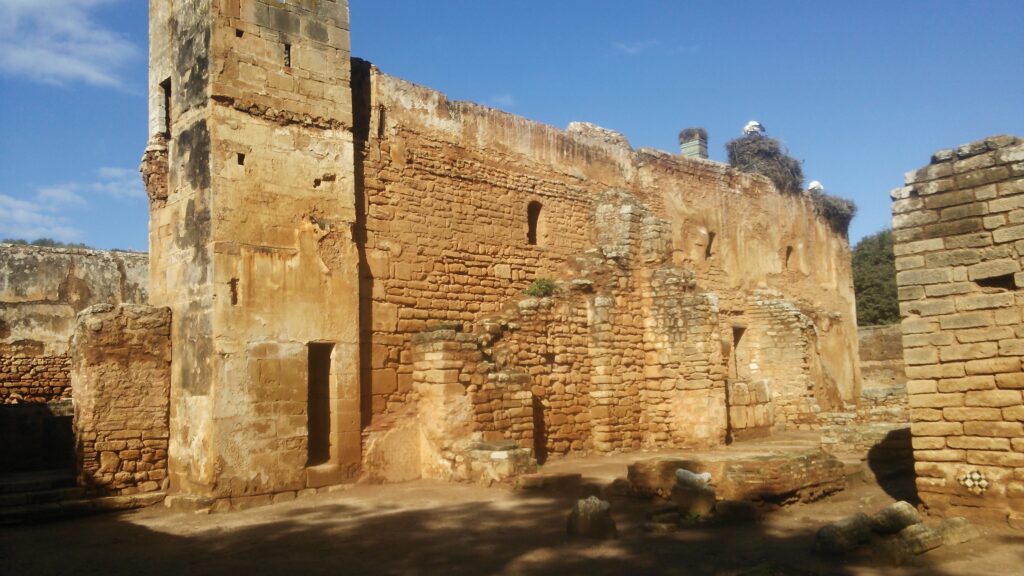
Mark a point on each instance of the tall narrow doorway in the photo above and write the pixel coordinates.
(319, 403)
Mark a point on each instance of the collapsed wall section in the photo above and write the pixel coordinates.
(958, 227)
(41, 290)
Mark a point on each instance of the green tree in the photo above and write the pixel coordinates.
(874, 280)
(43, 242)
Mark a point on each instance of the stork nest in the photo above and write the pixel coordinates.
(690, 134)
(765, 156)
(839, 212)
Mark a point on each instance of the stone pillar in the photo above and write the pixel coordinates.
(252, 244)
(693, 143)
(958, 229)
(121, 362)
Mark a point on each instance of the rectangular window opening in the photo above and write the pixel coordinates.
(319, 403)
(165, 88)
(233, 285)
(241, 159)
(239, 33)
(287, 55)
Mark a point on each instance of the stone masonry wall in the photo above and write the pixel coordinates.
(446, 190)
(959, 243)
(121, 379)
(41, 290)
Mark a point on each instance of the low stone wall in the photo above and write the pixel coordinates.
(41, 290)
(121, 377)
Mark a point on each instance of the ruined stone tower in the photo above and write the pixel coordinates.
(250, 174)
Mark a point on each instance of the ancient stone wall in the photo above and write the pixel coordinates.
(447, 194)
(307, 226)
(121, 381)
(41, 290)
(958, 227)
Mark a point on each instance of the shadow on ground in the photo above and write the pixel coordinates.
(508, 534)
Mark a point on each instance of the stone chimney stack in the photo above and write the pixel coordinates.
(693, 143)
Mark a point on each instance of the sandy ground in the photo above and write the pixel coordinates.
(432, 528)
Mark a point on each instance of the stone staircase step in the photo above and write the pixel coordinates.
(40, 497)
(36, 481)
(33, 513)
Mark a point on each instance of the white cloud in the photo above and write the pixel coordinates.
(29, 220)
(60, 195)
(59, 42)
(46, 213)
(119, 183)
(635, 48)
(502, 101)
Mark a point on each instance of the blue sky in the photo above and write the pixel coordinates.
(860, 91)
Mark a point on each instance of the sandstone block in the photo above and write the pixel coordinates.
(925, 276)
(976, 443)
(993, 366)
(894, 518)
(937, 400)
(968, 383)
(936, 428)
(993, 398)
(1004, 459)
(967, 414)
(992, 268)
(994, 429)
(968, 351)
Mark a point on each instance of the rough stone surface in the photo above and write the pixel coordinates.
(962, 308)
(895, 518)
(121, 377)
(591, 518)
(844, 535)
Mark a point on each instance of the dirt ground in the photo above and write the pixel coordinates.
(424, 528)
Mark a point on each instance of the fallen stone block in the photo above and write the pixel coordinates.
(592, 518)
(844, 535)
(894, 518)
(911, 541)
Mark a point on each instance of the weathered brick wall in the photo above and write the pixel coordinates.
(41, 290)
(959, 232)
(121, 380)
(34, 379)
(884, 394)
(445, 194)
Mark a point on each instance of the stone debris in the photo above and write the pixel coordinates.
(844, 535)
(692, 496)
(592, 518)
(895, 518)
(686, 478)
(894, 534)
